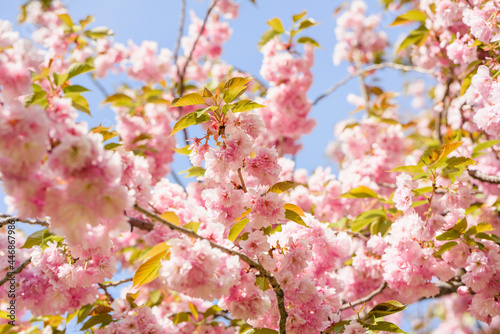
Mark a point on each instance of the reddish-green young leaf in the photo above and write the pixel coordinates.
(294, 208)
(171, 217)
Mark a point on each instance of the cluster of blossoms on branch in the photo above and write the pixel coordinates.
(253, 245)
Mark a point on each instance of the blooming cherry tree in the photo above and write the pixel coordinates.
(253, 245)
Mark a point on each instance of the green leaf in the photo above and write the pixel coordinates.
(385, 326)
(276, 24)
(386, 308)
(488, 236)
(308, 40)
(183, 150)
(262, 283)
(188, 100)
(237, 228)
(59, 79)
(79, 102)
(193, 310)
(483, 227)
(410, 16)
(98, 32)
(447, 149)
(83, 312)
(66, 19)
(193, 171)
(112, 146)
(211, 311)
(192, 118)
(35, 98)
(266, 37)
(408, 169)
(148, 271)
(75, 89)
(467, 81)
(194, 226)
(78, 68)
(297, 17)
(360, 192)
(307, 23)
(449, 235)
(417, 36)
(245, 105)
(366, 218)
(446, 247)
(119, 100)
(295, 217)
(461, 226)
(100, 319)
(36, 238)
(260, 331)
(233, 93)
(181, 317)
(280, 187)
(482, 146)
(459, 161)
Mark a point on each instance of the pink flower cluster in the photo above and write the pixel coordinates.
(287, 105)
(357, 39)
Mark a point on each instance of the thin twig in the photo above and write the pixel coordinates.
(9, 218)
(108, 295)
(242, 182)
(365, 299)
(439, 114)
(99, 86)
(176, 178)
(179, 36)
(495, 179)
(108, 284)
(15, 271)
(190, 56)
(252, 263)
(369, 69)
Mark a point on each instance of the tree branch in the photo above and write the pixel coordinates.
(252, 263)
(99, 86)
(108, 284)
(9, 218)
(190, 56)
(140, 224)
(16, 271)
(365, 299)
(242, 182)
(179, 36)
(369, 69)
(475, 174)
